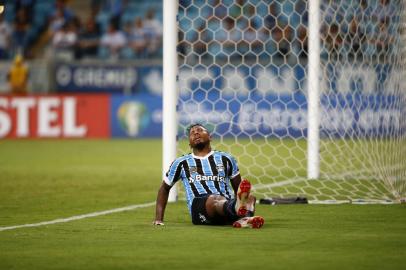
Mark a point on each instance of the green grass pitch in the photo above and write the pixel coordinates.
(50, 179)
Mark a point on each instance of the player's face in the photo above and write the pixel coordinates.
(199, 137)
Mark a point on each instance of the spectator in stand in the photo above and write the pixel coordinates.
(65, 40)
(20, 33)
(153, 32)
(112, 42)
(200, 45)
(354, 39)
(301, 43)
(383, 11)
(332, 11)
(115, 8)
(62, 7)
(231, 35)
(28, 6)
(127, 27)
(254, 37)
(5, 38)
(302, 9)
(60, 17)
(270, 19)
(383, 38)
(333, 39)
(283, 38)
(127, 52)
(363, 15)
(138, 42)
(89, 40)
(57, 22)
(18, 76)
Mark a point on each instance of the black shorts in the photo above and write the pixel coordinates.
(200, 216)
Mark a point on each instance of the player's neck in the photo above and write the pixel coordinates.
(202, 152)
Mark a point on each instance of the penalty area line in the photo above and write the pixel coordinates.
(73, 218)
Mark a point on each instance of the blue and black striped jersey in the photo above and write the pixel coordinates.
(206, 175)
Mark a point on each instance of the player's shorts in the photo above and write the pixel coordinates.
(200, 216)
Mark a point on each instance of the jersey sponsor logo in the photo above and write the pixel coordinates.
(220, 168)
(200, 177)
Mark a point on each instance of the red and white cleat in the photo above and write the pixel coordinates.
(255, 222)
(243, 193)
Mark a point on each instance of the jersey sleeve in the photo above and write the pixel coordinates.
(174, 172)
(234, 167)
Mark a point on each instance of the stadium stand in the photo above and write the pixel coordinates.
(282, 27)
(47, 31)
(33, 24)
(141, 23)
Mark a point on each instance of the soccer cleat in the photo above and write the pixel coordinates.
(255, 222)
(242, 198)
(250, 206)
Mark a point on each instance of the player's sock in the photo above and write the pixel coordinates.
(254, 222)
(251, 206)
(229, 209)
(243, 194)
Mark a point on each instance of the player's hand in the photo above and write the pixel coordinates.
(158, 223)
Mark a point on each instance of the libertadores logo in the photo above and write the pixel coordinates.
(133, 117)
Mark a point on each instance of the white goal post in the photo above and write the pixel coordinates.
(310, 96)
(313, 88)
(170, 89)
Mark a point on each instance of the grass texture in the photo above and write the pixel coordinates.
(50, 179)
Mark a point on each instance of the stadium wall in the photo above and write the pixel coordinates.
(140, 115)
(96, 100)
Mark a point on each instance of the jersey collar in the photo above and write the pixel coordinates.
(208, 154)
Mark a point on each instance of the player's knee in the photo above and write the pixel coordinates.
(214, 204)
(218, 200)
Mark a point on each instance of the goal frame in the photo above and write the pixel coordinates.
(171, 92)
(170, 88)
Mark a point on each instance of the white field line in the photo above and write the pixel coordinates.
(94, 214)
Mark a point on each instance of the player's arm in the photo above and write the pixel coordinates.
(235, 182)
(234, 173)
(161, 201)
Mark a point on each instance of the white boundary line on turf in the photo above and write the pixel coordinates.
(95, 214)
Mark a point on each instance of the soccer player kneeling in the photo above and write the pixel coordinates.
(215, 193)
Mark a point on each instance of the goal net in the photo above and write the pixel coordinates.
(243, 72)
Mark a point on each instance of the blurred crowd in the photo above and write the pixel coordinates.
(277, 31)
(209, 30)
(113, 29)
(361, 29)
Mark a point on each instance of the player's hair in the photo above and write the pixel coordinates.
(189, 128)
